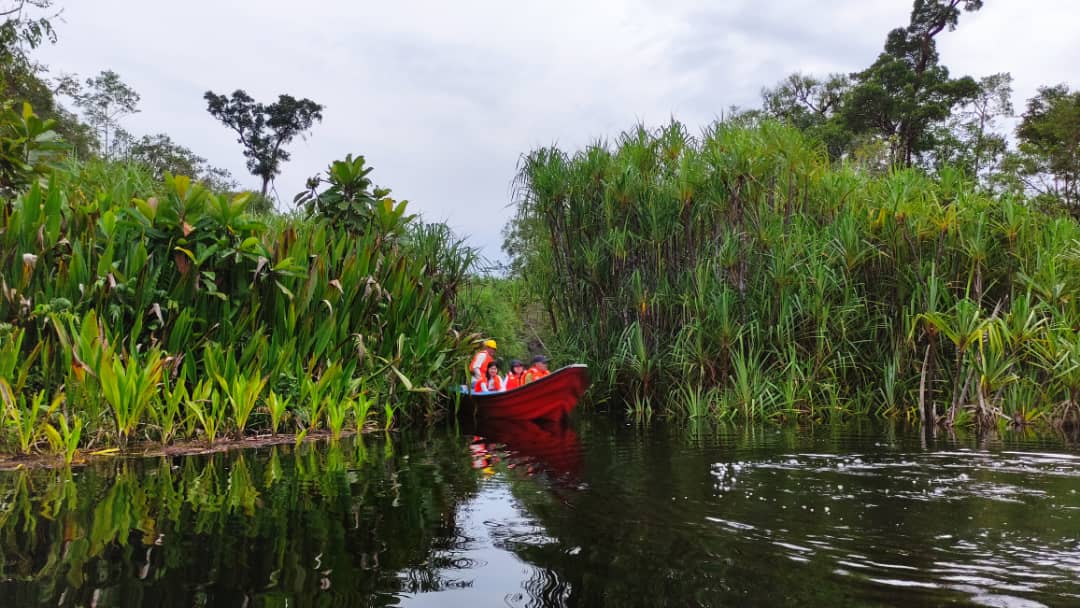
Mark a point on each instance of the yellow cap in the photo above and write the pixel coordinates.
(490, 344)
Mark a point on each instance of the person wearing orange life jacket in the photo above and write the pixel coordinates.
(538, 370)
(478, 365)
(516, 376)
(491, 383)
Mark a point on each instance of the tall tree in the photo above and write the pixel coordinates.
(1048, 160)
(264, 130)
(907, 91)
(971, 140)
(810, 104)
(104, 101)
(804, 100)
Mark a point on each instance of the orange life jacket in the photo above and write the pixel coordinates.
(478, 365)
(514, 380)
(492, 385)
(535, 373)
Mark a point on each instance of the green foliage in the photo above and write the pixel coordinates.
(970, 141)
(161, 155)
(350, 200)
(276, 406)
(902, 109)
(104, 101)
(243, 393)
(128, 385)
(907, 91)
(28, 148)
(165, 310)
(811, 105)
(24, 415)
(743, 274)
(500, 307)
(1048, 161)
(65, 439)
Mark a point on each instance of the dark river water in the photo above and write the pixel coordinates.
(602, 513)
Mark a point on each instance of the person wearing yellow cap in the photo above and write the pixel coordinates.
(479, 363)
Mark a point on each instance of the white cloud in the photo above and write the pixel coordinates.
(442, 98)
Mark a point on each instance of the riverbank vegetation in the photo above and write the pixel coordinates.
(744, 275)
(142, 298)
(861, 244)
(133, 309)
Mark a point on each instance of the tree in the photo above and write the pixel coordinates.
(970, 139)
(23, 30)
(264, 130)
(26, 26)
(810, 104)
(162, 155)
(803, 100)
(105, 100)
(1048, 160)
(907, 91)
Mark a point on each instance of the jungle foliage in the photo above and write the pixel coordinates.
(135, 309)
(746, 275)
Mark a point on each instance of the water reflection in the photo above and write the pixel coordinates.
(601, 513)
(538, 446)
(258, 528)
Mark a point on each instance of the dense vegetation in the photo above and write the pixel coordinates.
(133, 308)
(864, 242)
(142, 298)
(907, 110)
(745, 275)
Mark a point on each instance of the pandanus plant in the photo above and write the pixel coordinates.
(650, 254)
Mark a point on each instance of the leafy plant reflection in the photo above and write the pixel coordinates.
(295, 526)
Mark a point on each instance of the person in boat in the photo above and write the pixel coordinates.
(491, 383)
(478, 365)
(516, 376)
(538, 370)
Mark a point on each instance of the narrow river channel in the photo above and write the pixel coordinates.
(602, 513)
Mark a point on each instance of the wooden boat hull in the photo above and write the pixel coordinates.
(549, 398)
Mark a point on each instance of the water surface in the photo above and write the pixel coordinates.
(602, 513)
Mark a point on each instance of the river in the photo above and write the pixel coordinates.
(602, 513)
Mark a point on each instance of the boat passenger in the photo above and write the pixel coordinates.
(538, 370)
(492, 383)
(516, 377)
(480, 360)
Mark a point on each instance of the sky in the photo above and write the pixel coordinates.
(443, 98)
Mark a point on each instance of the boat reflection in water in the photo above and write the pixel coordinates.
(531, 424)
(537, 445)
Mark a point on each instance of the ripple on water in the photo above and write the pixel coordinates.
(916, 521)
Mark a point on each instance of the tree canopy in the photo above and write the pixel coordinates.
(907, 90)
(1049, 133)
(264, 129)
(105, 100)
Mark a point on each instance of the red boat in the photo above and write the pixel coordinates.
(549, 398)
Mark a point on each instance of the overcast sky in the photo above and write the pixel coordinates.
(442, 98)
